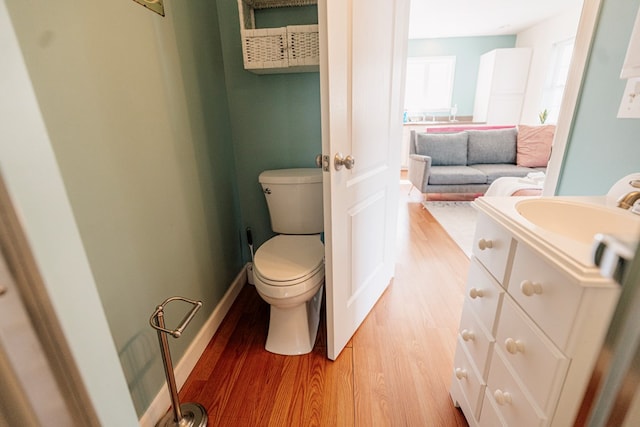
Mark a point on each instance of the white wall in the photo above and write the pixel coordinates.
(542, 38)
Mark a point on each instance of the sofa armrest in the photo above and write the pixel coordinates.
(419, 171)
(412, 142)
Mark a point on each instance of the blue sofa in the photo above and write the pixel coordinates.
(463, 162)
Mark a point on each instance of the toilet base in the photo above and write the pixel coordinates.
(293, 330)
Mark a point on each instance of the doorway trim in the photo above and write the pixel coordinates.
(44, 324)
(573, 90)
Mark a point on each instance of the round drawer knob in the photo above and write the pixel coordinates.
(461, 373)
(476, 293)
(514, 346)
(485, 244)
(502, 397)
(530, 288)
(467, 335)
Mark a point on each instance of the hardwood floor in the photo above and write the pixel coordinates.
(395, 370)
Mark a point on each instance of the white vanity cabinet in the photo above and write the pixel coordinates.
(531, 327)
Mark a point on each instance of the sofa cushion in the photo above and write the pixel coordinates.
(534, 145)
(498, 170)
(492, 146)
(444, 149)
(456, 175)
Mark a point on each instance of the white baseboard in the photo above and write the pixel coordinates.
(162, 401)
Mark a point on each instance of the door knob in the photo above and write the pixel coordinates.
(460, 373)
(530, 288)
(514, 346)
(485, 244)
(467, 335)
(340, 161)
(476, 293)
(502, 397)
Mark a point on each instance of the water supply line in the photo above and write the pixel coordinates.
(250, 266)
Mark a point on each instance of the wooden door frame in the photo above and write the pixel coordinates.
(573, 89)
(44, 321)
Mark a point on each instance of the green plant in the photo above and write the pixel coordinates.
(543, 116)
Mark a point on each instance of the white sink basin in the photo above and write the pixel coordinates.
(576, 220)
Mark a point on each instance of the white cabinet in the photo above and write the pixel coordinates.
(501, 85)
(530, 330)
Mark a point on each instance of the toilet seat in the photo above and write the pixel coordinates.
(277, 283)
(289, 265)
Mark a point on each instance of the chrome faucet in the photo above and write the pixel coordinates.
(627, 200)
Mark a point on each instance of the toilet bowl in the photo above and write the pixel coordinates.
(288, 275)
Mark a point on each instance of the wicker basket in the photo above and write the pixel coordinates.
(286, 49)
(264, 4)
(303, 47)
(265, 48)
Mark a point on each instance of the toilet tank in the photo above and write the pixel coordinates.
(294, 199)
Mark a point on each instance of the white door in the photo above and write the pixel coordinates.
(363, 55)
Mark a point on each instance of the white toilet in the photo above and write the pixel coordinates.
(289, 268)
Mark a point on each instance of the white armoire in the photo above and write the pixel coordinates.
(502, 81)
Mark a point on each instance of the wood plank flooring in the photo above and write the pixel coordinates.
(395, 370)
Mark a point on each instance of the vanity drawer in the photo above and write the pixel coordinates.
(491, 246)
(468, 379)
(507, 396)
(533, 357)
(477, 341)
(484, 294)
(549, 297)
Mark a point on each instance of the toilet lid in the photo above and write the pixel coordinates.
(286, 258)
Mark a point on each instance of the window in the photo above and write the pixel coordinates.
(429, 83)
(557, 78)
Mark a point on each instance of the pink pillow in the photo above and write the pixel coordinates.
(534, 145)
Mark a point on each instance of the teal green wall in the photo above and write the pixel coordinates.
(275, 119)
(160, 135)
(602, 148)
(136, 109)
(467, 51)
(281, 17)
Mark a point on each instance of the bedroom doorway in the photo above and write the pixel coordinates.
(578, 21)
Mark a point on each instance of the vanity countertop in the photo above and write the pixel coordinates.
(574, 255)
